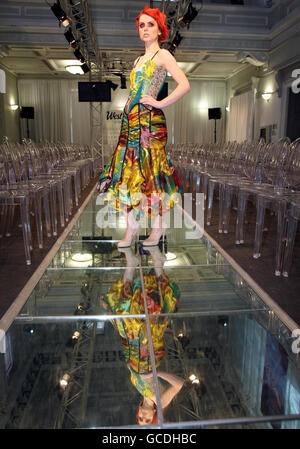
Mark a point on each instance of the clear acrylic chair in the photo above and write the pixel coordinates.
(14, 181)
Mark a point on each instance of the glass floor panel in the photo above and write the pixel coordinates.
(80, 374)
(105, 329)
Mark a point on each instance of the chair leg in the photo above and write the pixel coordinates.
(53, 210)
(241, 210)
(260, 218)
(38, 219)
(288, 254)
(24, 212)
(47, 214)
(281, 228)
(227, 208)
(211, 188)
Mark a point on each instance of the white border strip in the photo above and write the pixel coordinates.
(22, 297)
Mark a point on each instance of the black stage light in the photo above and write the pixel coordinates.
(70, 38)
(112, 85)
(123, 82)
(186, 19)
(79, 56)
(85, 68)
(60, 14)
(177, 39)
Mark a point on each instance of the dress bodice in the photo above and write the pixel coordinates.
(148, 79)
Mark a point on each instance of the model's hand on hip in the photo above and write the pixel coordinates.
(148, 100)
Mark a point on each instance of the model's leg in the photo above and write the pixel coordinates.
(158, 229)
(132, 230)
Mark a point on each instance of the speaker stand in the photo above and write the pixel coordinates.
(215, 131)
(27, 129)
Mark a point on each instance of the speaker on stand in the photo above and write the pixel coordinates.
(28, 113)
(215, 114)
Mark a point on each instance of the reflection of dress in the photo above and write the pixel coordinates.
(162, 296)
(139, 164)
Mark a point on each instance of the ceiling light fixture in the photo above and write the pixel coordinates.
(74, 69)
(266, 95)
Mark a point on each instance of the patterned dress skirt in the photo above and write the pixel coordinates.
(139, 174)
(124, 298)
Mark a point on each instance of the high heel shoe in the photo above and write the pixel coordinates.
(158, 231)
(132, 230)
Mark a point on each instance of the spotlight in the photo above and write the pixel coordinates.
(112, 85)
(64, 381)
(76, 335)
(79, 56)
(85, 68)
(60, 14)
(70, 38)
(194, 379)
(223, 321)
(123, 82)
(183, 339)
(29, 329)
(186, 19)
(177, 39)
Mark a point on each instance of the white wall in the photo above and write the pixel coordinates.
(9, 120)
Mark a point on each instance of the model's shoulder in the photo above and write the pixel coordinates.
(165, 53)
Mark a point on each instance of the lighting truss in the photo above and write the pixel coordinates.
(82, 29)
(73, 404)
(74, 399)
(179, 15)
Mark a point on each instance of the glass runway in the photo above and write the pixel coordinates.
(83, 350)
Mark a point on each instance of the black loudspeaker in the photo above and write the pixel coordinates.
(27, 112)
(163, 93)
(214, 113)
(97, 91)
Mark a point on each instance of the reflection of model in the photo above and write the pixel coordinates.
(139, 178)
(126, 297)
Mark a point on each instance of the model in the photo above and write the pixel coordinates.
(139, 179)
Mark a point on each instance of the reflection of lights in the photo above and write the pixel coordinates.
(80, 257)
(170, 256)
(194, 379)
(76, 335)
(64, 381)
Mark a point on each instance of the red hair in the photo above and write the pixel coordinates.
(155, 416)
(160, 18)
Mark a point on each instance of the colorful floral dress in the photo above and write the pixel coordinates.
(162, 297)
(139, 174)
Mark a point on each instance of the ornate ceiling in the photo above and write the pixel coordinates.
(222, 40)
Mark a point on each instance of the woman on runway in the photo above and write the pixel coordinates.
(139, 178)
